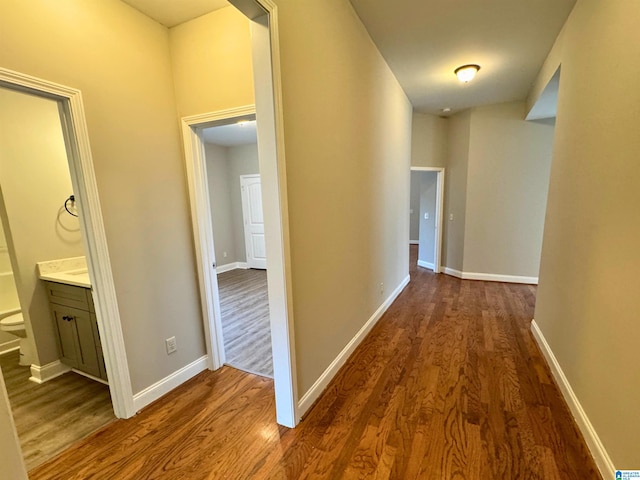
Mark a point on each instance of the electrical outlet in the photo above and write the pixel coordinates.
(224, 254)
(381, 288)
(451, 217)
(171, 345)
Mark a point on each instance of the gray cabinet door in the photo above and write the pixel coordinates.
(96, 337)
(67, 334)
(87, 354)
(76, 339)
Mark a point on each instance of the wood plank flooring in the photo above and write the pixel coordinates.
(245, 320)
(54, 415)
(448, 385)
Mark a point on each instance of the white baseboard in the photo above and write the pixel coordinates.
(452, 272)
(422, 263)
(321, 383)
(9, 346)
(231, 266)
(600, 455)
(490, 277)
(414, 242)
(44, 373)
(164, 386)
(89, 376)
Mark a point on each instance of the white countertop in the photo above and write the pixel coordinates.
(70, 271)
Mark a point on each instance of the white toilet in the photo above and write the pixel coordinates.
(14, 324)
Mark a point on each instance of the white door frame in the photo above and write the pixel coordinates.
(85, 189)
(437, 249)
(246, 217)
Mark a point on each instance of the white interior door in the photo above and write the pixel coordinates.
(253, 221)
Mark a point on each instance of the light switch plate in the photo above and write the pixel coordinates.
(171, 345)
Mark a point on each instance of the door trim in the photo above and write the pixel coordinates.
(85, 189)
(437, 253)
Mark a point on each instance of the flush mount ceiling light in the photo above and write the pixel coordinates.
(466, 73)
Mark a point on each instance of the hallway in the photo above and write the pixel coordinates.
(449, 384)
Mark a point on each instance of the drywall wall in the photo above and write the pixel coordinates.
(414, 207)
(211, 62)
(8, 294)
(35, 182)
(347, 198)
(12, 463)
(5, 261)
(242, 160)
(120, 61)
(507, 185)
(587, 302)
(220, 204)
(429, 143)
(455, 190)
(428, 190)
(548, 70)
(224, 167)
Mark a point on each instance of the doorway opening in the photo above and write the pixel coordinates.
(60, 336)
(269, 116)
(235, 201)
(425, 215)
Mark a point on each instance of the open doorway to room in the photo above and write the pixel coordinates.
(235, 199)
(270, 141)
(425, 216)
(55, 282)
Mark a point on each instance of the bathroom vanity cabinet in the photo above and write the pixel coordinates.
(76, 327)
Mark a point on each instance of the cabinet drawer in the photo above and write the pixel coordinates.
(70, 296)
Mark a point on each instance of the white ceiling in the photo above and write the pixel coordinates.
(231, 135)
(423, 41)
(174, 12)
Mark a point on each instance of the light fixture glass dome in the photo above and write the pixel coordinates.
(466, 73)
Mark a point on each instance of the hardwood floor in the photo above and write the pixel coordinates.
(448, 385)
(54, 415)
(245, 320)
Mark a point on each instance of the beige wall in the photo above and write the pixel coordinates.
(348, 197)
(429, 140)
(507, 185)
(35, 182)
(224, 167)
(243, 160)
(119, 59)
(455, 190)
(12, 464)
(588, 300)
(347, 136)
(5, 261)
(8, 294)
(496, 182)
(211, 60)
(220, 204)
